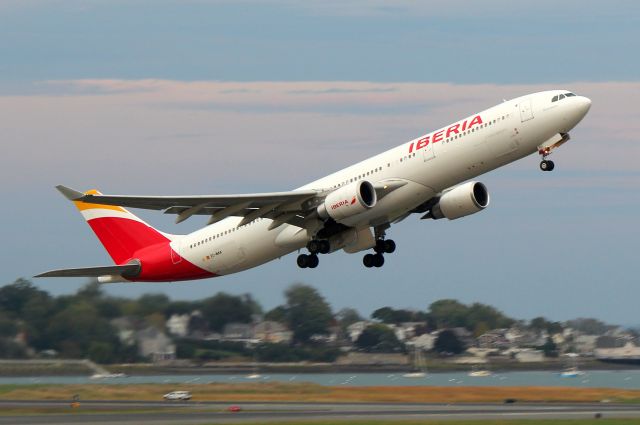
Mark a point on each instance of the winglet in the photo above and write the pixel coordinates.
(70, 194)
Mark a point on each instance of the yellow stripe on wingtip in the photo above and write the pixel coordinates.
(88, 206)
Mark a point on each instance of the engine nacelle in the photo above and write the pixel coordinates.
(347, 201)
(463, 200)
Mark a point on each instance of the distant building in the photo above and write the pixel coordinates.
(126, 328)
(240, 332)
(155, 345)
(464, 336)
(629, 353)
(355, 329)
(585, 344)
(178, 324)
(273, 332)
(495, 339)
(423, 342)
(610, 341)
(529, 356)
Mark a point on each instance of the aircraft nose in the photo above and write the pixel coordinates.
(584, 105)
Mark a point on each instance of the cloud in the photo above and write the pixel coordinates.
(212, 134)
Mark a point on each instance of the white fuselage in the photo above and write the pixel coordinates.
(503, 134)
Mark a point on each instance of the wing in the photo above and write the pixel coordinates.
(294, 207)
(282, 207)
(127, 270)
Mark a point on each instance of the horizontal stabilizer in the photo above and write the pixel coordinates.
(70, 194)
(127, 270)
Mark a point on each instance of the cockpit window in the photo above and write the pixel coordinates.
(562, 96)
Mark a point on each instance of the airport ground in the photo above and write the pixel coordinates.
(312, 404)
(309, 392)
(39, 412)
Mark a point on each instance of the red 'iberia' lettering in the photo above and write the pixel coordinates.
(440, 135)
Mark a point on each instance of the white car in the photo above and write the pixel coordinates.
(178, 395)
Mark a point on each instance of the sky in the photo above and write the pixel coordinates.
(164, 97)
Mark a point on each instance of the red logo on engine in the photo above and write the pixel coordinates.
(353, 201)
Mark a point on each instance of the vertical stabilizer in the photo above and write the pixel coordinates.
(120, 232)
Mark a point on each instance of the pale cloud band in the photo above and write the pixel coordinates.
(86, 125)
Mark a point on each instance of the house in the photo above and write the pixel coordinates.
(273, 332)
(240, 332)
(355, 329)
(529, 356)
(126, 328)
(155, 345)
(495, 339)
(407, 330)
(423, 342)
(464, 336)
(627, 353)
(178, 324)
(585, 344)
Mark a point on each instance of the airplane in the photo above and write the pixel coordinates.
(349, 210)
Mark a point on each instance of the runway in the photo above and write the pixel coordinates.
(107, 412)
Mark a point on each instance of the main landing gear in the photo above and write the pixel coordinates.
(315, 247)
(546, 164)
(383, 246)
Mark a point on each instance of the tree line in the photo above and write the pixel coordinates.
(82, 325)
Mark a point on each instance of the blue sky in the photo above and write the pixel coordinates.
(182, 97)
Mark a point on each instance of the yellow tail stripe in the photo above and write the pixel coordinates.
(88, 206)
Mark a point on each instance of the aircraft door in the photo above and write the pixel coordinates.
(526, 111)
(428, 152)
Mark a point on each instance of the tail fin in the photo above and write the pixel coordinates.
(120, 232)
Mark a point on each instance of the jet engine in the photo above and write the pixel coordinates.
(347, 201)
(463, 200)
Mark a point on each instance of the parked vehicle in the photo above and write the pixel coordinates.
(178, 395)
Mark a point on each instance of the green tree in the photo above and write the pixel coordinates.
(223, 308)
(13, 297)
(101, 352)
(278, 314)
(347, 317)
(151, 303)
(8, 327)
(449, 313)
(379, 338)
(72, 330)
(448, 342)
(307, 311)
(482, 313)
(550, 348)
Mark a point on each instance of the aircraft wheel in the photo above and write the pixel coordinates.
(325, 247)
(380, 246)
(550, 165)
(546, 165)
(389, 246)
(368, 260)
(378, 260)
(314, 246)
(313, 261)
(303, 261)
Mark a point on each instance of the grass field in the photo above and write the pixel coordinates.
(305, 392)
(471, 422)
